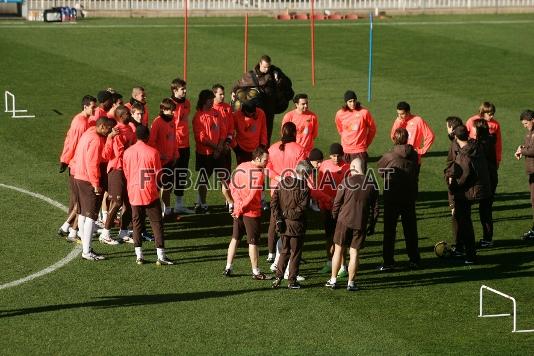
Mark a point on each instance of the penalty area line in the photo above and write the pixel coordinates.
(72, 255)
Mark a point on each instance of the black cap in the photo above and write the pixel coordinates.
(349, 94)
(315, 155)
(142, 133)
(336, 149)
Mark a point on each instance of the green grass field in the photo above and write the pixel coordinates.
(442, 65)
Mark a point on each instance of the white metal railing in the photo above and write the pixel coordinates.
(256, 5)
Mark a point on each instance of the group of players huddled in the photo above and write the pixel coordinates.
(118, 164)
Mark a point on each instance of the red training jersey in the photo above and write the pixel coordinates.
(249, 132)
(208, 127)
(88, 156)
(225, 110)
(78, 126)
(356, 128)
(307, 127)
(114, 148)
(181, 120)
(163, 138)
(246, 187)
(283, 163)
(420, 135)
(142, 166)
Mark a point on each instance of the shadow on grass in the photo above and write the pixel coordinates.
(129, 301)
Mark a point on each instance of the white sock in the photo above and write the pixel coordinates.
(105, 233)
(343, 268)
(230, 206)
(81, 223)
(139, 252)
(104, 216)
(65, 226)
(72, 232)
(271, 255)
(87, 234)
(350, 283)
(228, 266)
(256, 271)
(161, 253)
(333, 280)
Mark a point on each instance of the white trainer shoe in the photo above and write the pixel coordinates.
(91, 256)
(107, 240)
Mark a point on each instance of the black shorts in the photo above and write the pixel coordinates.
(89, 201)
(206, 162)
(117, 186)
(249, 226)
(345, 236)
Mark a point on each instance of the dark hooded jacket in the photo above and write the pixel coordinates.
(469, 173)
(400, 185)
(527, 150)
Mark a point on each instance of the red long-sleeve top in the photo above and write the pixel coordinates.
(283, 163)
(181, 120)
(246, 186)
(208, 127)
(78, 126)
(114, 148)
(420, 134)
(307, 127)
(88, 156)
(142, 166)
(163, 138)
(249, 132)
(356, 128)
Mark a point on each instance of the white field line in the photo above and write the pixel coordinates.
(282, 25)
(72, 255)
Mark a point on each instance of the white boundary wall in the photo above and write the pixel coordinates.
(289, 5)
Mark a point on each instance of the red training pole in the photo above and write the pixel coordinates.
(245, 61)
(312, 28)
(185, 39)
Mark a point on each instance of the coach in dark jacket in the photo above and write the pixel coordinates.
(468, 181)
(288, 204)
(351, 208)
(527, 150)
(399, 169)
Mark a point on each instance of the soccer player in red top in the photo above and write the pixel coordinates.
(225, 110)
(86, 162)
(420, 134)
(181, 120)
(163, 138)
(142, 166)
(305, 120)
(78, 126)
(139, 97)
(356, 128)
(246, 187)
(113, 152)
(283, 158)
(250, 131)
(210, 135)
